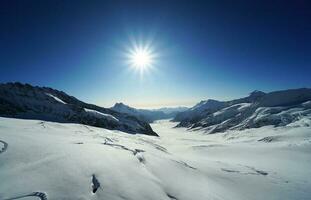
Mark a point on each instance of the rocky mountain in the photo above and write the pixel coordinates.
(148, 115)
(31, 102)
(259, 109)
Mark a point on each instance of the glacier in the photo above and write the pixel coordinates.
(51, 160)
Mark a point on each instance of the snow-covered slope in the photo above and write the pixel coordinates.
(147, 115)
(259, 109)
(98, 114)
(58, 161)
(29, 102)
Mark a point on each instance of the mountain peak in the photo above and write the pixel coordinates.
(123, 108)
(256, 93)
(120, 104)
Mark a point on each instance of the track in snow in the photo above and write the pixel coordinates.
(252, 172)
(40, 195)
(135, 152)
(171, 196)
(119, 146)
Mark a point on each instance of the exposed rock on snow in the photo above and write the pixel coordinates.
(95, 184)
(25, 101)
(259, 109)
(4, 146)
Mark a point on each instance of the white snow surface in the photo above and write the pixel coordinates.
(100, 114)
(59, 161)
(56, 98)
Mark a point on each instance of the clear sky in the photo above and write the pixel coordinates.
(205, 49)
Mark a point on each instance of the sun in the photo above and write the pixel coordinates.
(141, 58)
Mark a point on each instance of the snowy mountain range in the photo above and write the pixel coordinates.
(259, 109)
(148, 115)
(28, 102)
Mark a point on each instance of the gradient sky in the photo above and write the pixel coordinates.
(207, 49)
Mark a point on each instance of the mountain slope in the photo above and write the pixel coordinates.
(25, 101)
(259, 109)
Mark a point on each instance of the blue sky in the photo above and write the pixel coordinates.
(206, 49)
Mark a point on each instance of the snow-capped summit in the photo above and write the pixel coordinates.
(277, 108)
(121, 107)
(25, 101)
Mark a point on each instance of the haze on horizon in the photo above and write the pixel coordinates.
(220, 50)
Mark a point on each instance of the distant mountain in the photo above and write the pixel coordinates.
(148, 115)
(28, 102)
(171, 110)
(277, 108)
